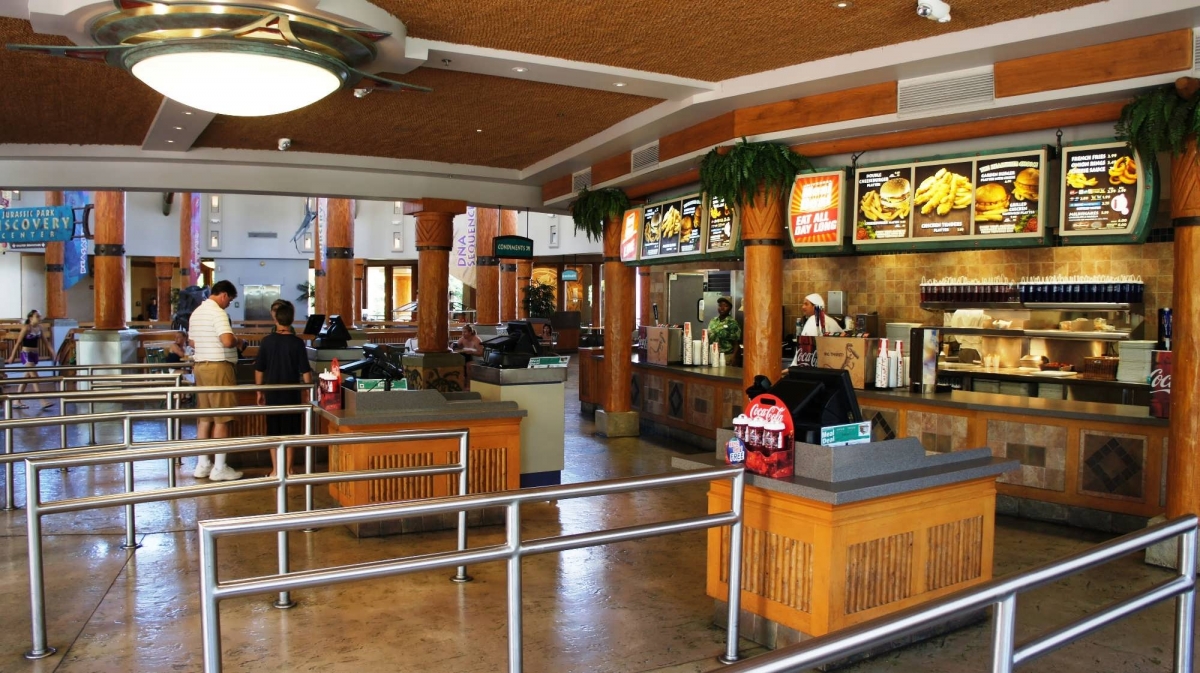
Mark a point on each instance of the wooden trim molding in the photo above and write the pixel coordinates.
(716, 130)
(611, 168)
(556, 188)
(826, 108)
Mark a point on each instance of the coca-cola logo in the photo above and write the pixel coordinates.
(1160, 382)
(768, 414)
(806, 360)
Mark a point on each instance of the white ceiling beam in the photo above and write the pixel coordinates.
(176, 127)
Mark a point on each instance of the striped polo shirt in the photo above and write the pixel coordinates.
(208, 323)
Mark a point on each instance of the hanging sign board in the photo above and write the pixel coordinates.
(815, 209)
(630, 225)
(512, 247)
(943, 199)
(672, 228)
(570, 275)
(884, 196)
(36, 225)
(1103, 190)
(1010, 194)
(722, 226)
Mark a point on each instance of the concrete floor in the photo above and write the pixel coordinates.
(637, 606)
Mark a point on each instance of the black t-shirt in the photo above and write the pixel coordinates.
(282, 358)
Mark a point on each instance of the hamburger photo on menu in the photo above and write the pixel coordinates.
(887, 207)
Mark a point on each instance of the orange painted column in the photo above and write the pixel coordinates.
(190, 217)
(508, 270)
(109, 254)
(646, 316)
(618, 320)
(524, 277)
(56, 295)
(360, 297)
(762, 238)
(339, 261)
(487, 267)
(164, 273)
(1183, 456)
(435, 236)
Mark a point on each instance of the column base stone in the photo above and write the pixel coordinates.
(617, 423)
(1164, 554)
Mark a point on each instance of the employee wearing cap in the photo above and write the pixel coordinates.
(724, 330)
(814, 304)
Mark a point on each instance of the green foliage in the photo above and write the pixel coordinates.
(591, 208)
(308, 291)
(1160, 120)
(539, 300)
(737, 175)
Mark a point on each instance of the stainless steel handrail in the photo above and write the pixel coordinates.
(37, 509)
(1002, 594)
(513, 550)
(90, 368)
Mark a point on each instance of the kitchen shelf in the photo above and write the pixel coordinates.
(1037, 333)
(1029, 306)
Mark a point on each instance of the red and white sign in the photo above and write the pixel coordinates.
(629, 235)
(772, 456)
(815, 209)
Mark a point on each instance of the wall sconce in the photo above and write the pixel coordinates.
(16, 195)
(553, 236)
(398, 241)
(214, 239)
(307, 242)
(399, 208)
(214, 203)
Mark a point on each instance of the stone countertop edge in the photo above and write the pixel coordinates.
(494, 410)
(1034, 406)
(700, 371)
(858, 490)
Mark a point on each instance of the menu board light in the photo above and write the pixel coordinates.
(1102, 190)
(629, 234)
(722, 226)
(884, 197)
(1009, 199)
(673, 227)
(815, 209)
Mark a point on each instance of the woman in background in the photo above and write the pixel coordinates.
(30, 338)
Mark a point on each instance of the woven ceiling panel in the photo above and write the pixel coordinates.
(521, 122)
(702, 39)
(49, 100)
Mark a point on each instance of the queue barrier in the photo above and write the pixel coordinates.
(92, 368)
(213, 590)
(1001, 595)
(36, 509)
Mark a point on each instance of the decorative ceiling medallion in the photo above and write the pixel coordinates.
(240, 60)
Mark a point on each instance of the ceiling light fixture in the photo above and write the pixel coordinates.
(479, 130)
(187, 112)
(843, 4)
(519, 69)
(239, 60)
(178, 128)
(618, 84)
(171, 141)
(934, 10)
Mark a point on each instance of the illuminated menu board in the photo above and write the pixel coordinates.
(815, 209)
(674, 227)
(629, 234)
(1101, 190)
(884, 196)
(722, 226)
(942, 200)
(1009, 194)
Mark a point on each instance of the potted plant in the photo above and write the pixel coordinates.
(539, 300)
(591, 209)
(1167, 119)
(750, 174)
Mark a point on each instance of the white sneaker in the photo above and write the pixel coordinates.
(224, 473)
(203, 468)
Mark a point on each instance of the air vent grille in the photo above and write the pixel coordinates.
(644, 157)
(720, 281)
(946, 91)
(581, 180)
(1196, 49)
(263, 234)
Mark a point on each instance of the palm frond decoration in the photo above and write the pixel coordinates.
(1162, 119)
(592, 208)
(736, 176)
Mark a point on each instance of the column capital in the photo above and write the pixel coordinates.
(435, 230)
(435, 206)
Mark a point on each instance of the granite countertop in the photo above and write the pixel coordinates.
(734, 373)
(1016, 374)
(451, 411)
(1013, 404)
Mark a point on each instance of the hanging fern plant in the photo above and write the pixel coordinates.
(591, 208)
(736, 175)
(1162, 119)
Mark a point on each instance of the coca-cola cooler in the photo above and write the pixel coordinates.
(1160, 384)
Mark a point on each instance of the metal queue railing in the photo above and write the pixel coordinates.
(169, 396)
(36, 509)
(89, 369)
(1001, 596)
(213, 590)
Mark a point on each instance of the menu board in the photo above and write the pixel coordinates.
(652, 217)
(884, 197)
(629, 234)
(1009, 194)
(942, 200)
(721, 229)
(815, 209)
(673, 227)
(690, 240)
(1101, 190)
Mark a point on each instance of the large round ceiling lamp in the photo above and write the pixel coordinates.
(237, 60)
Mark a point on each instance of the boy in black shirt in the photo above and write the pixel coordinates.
(282, 358)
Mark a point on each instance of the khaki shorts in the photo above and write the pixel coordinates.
(215, 374)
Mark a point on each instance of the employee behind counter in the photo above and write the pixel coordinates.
(724, 329)
(813, 309)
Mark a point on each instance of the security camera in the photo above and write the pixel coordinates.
(934, 10)
(284, 144)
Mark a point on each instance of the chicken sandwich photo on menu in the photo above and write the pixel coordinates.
(1027, 184)
(991, 201)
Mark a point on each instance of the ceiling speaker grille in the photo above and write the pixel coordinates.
(946, 91)
(263, 234)
(581, 180)
(644, 157)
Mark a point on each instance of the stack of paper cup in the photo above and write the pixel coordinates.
(687, 349)
(697, 349)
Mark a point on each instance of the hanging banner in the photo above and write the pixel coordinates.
(75, 251)
(36, 225)
(462, 258)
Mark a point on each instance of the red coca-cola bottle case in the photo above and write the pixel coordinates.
(769, 449)
(1160, 384)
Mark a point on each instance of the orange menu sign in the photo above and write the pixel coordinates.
(815, 208)
(629, 235)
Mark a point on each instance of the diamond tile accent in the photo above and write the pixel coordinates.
(883, 423)
(1111, 465)
(635, 392)
(675, 400)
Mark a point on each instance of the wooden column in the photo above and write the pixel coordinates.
(109, 252)
(1183, 457)
(339, 261)
(360, 287)
(164, 273)
(618, 320)
(487, 267)
(56, 296)
(435, 236)
(646, 317)
(596, 295)
(190, 217)
(508, 270)
(762, 236)
(524, 276)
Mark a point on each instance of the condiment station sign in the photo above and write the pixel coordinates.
(512, 247)
(36, 225)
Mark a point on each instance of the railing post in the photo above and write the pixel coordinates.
(512, 526)
(37, 581)
(9, 499)
(1004, 633)
(210, 614)
(737, 492)
(308, 458)
(1185, 605)
(281, 506)
(464, 462)
(62, 411)
(130, 515)
(171, 436)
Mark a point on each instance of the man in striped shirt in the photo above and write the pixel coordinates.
(216, 354)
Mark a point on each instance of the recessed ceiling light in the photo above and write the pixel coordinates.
(519, 69)
(178, 128)
(187, 112)
(479, 130)
(171, 141)
(843, 4)
(618, 84)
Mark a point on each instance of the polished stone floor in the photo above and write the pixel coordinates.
(637, 606)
